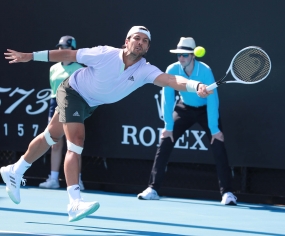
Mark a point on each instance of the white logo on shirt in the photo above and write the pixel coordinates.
(76, 113)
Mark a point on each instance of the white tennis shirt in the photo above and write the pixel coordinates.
(104, 80)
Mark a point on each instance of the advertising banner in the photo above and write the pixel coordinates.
(252, 115)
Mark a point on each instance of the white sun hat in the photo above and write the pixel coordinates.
(139, 29)
(185, 45)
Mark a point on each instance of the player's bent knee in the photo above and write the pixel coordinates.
(74, 148)
(48, 137)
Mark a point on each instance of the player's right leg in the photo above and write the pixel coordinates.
(77, 207)
(80, 180)
(72, 116)
(12, 175)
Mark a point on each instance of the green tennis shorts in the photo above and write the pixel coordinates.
(71, 107)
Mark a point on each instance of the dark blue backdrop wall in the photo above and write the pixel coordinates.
(252, 115)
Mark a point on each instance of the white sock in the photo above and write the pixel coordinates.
(21, 166)
(73, 192)
(79, 176)
(54, 175)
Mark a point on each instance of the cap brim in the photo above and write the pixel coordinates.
(58, 45)
(181, 51)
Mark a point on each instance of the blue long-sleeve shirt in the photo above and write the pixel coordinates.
(203, 73)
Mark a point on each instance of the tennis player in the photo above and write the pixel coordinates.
(111, 74)
(189, 110)
(59, 72)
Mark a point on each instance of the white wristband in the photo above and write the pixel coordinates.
(191, 85)
(41, 56)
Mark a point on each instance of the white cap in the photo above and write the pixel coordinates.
(139, 29)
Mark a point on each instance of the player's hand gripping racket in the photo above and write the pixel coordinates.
(249, 66)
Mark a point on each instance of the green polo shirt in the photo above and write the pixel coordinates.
(59, 72)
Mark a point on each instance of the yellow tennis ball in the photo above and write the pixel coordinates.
(199, 51)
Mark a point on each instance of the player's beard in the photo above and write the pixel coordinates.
(138, 55)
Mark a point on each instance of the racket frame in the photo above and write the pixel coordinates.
(237, 80)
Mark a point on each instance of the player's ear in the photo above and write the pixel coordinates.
(127, 41)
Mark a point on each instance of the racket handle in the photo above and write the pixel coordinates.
(212, 86)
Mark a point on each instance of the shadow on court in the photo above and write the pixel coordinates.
(240, 205)
(112, 231)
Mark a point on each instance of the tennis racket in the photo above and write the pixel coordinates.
(249, 66)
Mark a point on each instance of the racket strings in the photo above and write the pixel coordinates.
(251, 65)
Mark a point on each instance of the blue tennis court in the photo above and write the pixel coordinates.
(43, 212)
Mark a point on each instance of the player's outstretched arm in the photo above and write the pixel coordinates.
(16, 57)
(53, 56)
(180, 83)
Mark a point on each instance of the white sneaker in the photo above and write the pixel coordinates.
(81, 185)
(148, 194)
(79, 209)
(13, 182)
(50, 183)
(229, 199)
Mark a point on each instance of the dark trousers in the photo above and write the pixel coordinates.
(184, 118)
